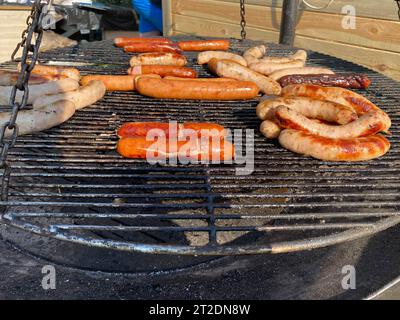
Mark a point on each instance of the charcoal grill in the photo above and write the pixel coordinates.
(69, 183)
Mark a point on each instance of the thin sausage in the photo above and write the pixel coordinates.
(83, 97)
(230, 69)
(310, 108)
(204, 45)
(112, 83)
(305, 70)
(125, 41)
(349, 81)
(195, 149)
(254, 54)
(197, 90)
(163, 71)
(268, 68)
(356, 149)
(368, 124)
(206, 56)
(68, 72)
(39, 119)
(142, 47)
(38, 90)
(159, 58)
(201, 79)
(178, 130)
(335, 94)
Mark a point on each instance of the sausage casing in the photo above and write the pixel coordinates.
(196, 90)
(204, 45)
(355, 149)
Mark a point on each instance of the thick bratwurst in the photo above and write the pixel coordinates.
(355, 149)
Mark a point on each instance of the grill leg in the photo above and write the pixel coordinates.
(288, 22)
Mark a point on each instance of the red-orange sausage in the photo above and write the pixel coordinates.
(197, 90)
(125, 41)
(355, 149)
(10, 78)
(201, 129)
(64, 71)
(204, 45)
(112, 83)
(164, 71)
(195, 149)
(142, 47)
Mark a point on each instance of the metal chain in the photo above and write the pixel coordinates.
(398, 4)
(242, 19)
(7, 138)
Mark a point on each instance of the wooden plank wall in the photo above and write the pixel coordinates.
(12, 23)
(375, 42)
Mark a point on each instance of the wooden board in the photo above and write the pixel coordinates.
(382, 9)
(12, 23)
(372, 33)
(379, 60)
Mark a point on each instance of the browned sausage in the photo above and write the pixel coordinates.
(159, 58)
(112, 83)
(164, 71)
(178, 130)
(349, 81)
(125, 41)
(339, 95)
(355, 149)
(68, 72)
(142, 47)
(310, 108)
(368, 124)
(231, 69)
(196, 149)
(197, 90)
(204, 45)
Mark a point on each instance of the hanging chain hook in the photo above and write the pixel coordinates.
(242, 19)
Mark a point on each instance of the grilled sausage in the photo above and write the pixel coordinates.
(68, 72)
(195, 89)
(349, 81)
(159, 58)
(368, 124)
(39, 119)
(112, 83)
(163, 71)
(142, 47)
(268, 68)
(231, 69)
(254, 54)
(195, 149)
(206, 56)
(299, 71)
(178, 130)
(125, 41)
(310, 108)
(270, 129)
(204, 45)
(35, 91)
(342, 96)
(83, 97)
(298, 55)
(10, 78)
(201, 79)
(356, 149)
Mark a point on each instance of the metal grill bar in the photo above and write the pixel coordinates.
(70, 184)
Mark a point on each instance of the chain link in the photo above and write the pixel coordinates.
(242, 19)
(20, 91)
